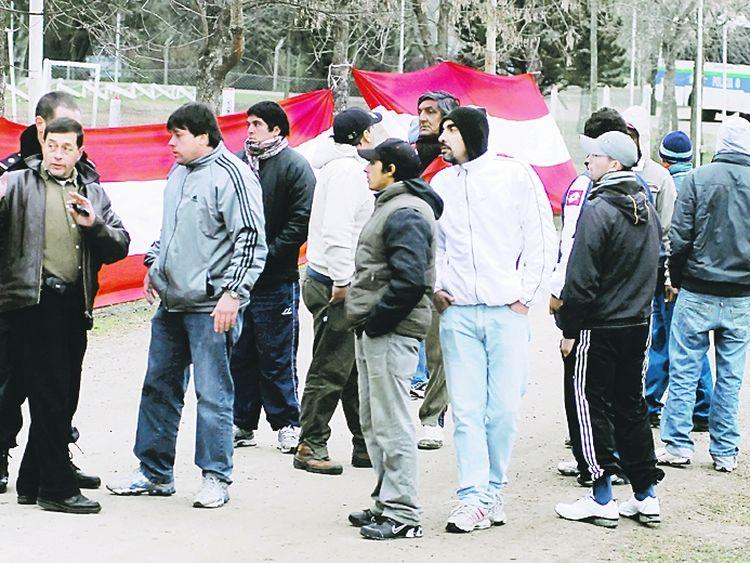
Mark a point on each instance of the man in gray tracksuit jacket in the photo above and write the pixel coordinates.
(211, 251)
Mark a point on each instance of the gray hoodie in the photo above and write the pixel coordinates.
(212, 236)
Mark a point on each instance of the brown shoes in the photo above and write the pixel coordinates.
(303, 459)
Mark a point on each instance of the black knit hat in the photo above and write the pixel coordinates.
(474, 128)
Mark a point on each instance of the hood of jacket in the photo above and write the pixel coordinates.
(328, 151)
(637, 118)
(733, 136)
(622, 191)
(413, 186)
(474, 128)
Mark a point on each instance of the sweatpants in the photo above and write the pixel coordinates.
(604, 380)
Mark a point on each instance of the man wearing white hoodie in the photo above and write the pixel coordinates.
(496, 249)
(341, 206)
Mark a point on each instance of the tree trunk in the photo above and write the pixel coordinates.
(423, 27)
(594, 48)
(338, 74)
(4, 66)
(490, 54)
(443, 28)
(668, 119)
(223, 44)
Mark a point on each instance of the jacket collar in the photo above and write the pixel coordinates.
(86, 172)
(733, 158)
(476, 163)
(395, 189)
(207, 159)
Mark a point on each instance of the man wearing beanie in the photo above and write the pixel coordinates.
(676, 152)
(496, 250)
(604, 319)
(389, 307)
(709, 264)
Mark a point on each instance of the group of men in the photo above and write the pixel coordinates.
(439, 243)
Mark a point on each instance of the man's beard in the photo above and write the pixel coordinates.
(428, 149)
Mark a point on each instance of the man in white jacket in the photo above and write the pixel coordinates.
(342, 204)
(497, 247)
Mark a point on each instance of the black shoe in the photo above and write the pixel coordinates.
(568, 443)
(26, 499)
(585, 480)
(388, 529)
(77, 504)
(3, 471)
(362, 518)
(361, 459)
(700, 425)
(654, 419)
(83, 480)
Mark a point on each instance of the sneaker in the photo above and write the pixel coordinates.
(568, 468)
(585, 481)
(432, 438)
(213, 494)
(663, 457)
(362, 517)
(3, 471)
(243, 438)
(288, 439)
(725, 464)
(418, 390)
(645, 511)
(466, 518)
(700, 424)
(586, 509)
(138, 483)
(497, 512)
(389, 529)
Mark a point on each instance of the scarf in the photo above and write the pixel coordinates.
(257, 151)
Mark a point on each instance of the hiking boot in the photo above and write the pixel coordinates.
(725, 464)
(3, 471)
(213, 494)
(288, 439)
(324, 467)
(243, 438)
(389, 529)
(362, 517)
(467, 518)
(302, 456)
(432, 438)
(361, 459)
(664, 457)
(645, 511)
(497, 512)
(700, 424)
(138, 483)
(586, 509)
(568, 468)
(77, 504)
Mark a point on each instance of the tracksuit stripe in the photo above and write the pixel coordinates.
(582, 405)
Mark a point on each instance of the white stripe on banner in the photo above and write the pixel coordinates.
(582, 405)
(535, 141)
(139, 205)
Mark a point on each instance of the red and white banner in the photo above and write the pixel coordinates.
(520, 123)
(134, 162)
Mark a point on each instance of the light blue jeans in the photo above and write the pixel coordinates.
(695, 315)
(485, 354)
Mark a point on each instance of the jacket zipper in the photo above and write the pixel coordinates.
(471, 236)
(174, 230)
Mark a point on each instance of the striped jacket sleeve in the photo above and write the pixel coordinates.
(241, 206)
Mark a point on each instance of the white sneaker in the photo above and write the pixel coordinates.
(137, 484)
(568, 468)
(586, 509)
(646, 511)
(243, 437)
(432, 438)
(725, 464)
(497, 512)
(288, 439)
(467, 518)
(663, 457)
(213, 494)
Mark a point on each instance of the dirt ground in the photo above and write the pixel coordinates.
(280, 514)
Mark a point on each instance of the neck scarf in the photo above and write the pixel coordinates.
(262, 150)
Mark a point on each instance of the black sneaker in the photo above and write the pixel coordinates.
(700, 424)
(388, 529)
(3, 471)
(362, 518)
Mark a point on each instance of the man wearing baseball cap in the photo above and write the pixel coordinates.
(341, 205)
(389, 307)
(604, 319)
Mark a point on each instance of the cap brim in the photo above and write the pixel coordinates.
(590, 145)
(376, 117)
(368, 154)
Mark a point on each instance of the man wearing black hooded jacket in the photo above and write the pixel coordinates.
(51, 106)
(605, 323)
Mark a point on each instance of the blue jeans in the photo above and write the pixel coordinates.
(421, 375)
(657, 376)
(695, 315)
(177, 340)
(485, 354)
(264, 360)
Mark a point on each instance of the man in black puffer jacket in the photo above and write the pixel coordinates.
(264, 365)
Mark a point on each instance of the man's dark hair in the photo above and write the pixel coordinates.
(198, 119)
(48, 104)
(446, 102)
(604, 120)
(65, 125)
(273, 114)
